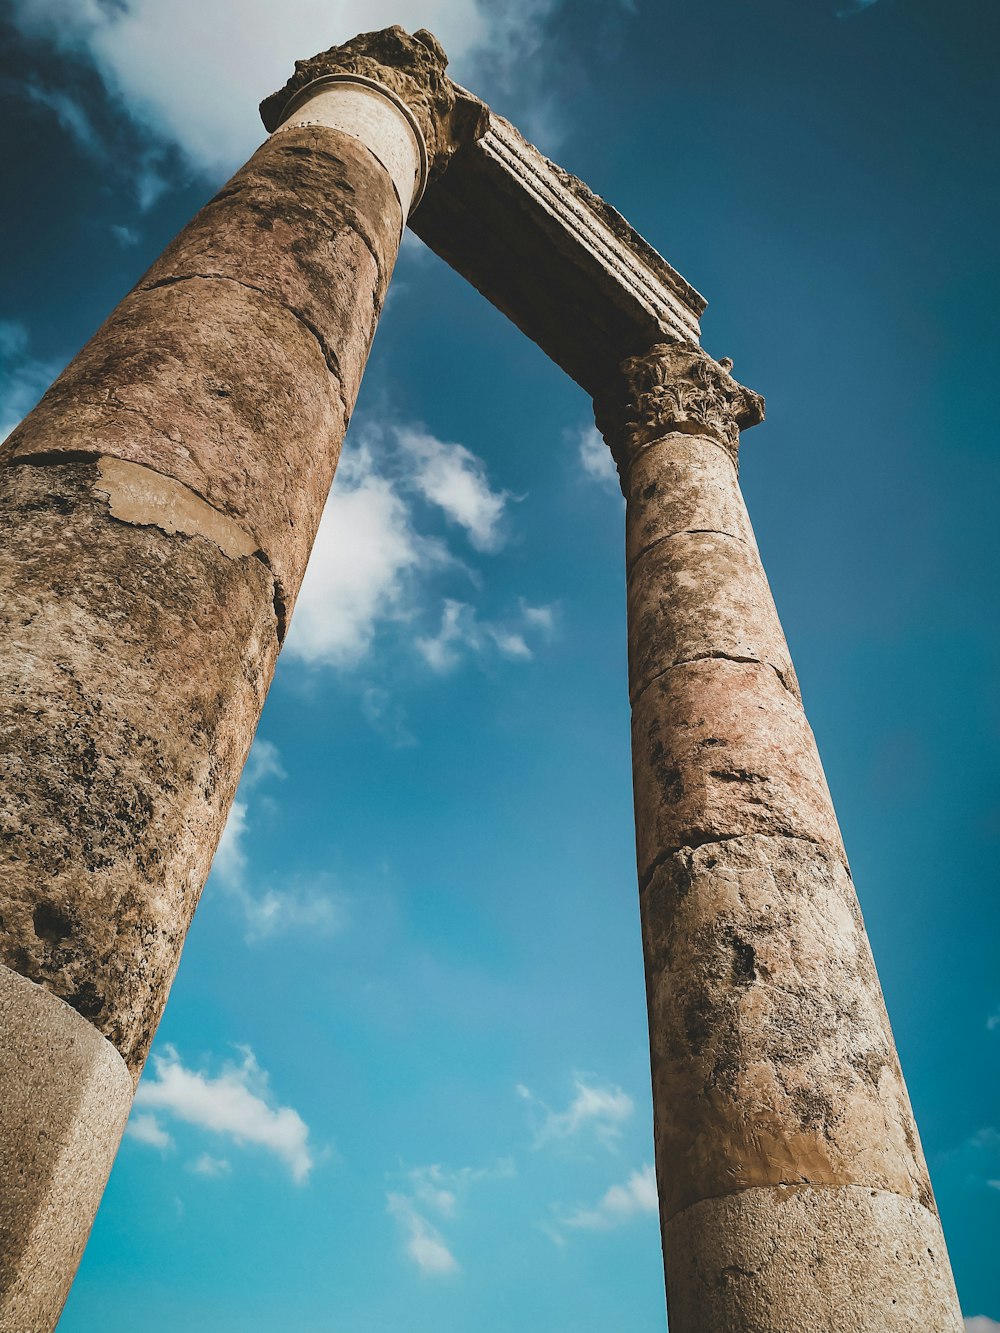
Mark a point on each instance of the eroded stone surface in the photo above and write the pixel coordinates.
(803, 1260)
(701, 595)
(771, 1053)
(721, 749)
(221, 389)
(682, 483)
(66, 1097)
(135, 667)
(313, 221)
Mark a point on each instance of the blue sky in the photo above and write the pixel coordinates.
(402, 1081)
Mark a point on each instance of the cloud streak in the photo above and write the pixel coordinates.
(597, 1110)
(620, 1204)
(235, 1104)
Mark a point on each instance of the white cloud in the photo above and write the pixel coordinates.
(595, 458)
(423, 1242)
(619, 1204)
(452, 477)
(993, 1022)
(23, 377)
(362, 570)
(145, 1128)
(207, 1165)
(264, 761)
(439, 1190)
(462, 631)
(372, 568)
(599, 1110)
(267, 912)
(193, 71)
(978, 1323)
(236, 1103)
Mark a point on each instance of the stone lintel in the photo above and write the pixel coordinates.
(562, 264)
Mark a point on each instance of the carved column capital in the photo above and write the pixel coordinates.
(675, 387)
(411, 67)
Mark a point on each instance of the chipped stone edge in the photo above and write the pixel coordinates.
(734, 1253)
(145, 498)
(369, 112)
(66, 1097)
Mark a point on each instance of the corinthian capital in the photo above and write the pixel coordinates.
(675, 387)
(412, 68)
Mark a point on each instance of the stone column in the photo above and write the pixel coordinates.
(793, 1191)
(156, 513)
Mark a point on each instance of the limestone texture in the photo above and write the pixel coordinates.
(721, 749)
(158, 508)
(312, 221)
(219, 389)
(806, 1260)
(793, 1191)
(66, 1097)
(134, 669)
(683, 483)
(771, 1053)
(700, 595)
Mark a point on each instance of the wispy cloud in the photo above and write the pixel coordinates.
(620, 1203)
(979, 1323)
(145, 1128)
(70, 115)
(438, 1190)
(212, 1167)
(461, 630)
(454, 478)
(23, 377)
(594, 457)
(372, 567)
(423, 1242)
(855, 7)
(236, 1104)
(364, 569)
(596, 1110)
(268, 911)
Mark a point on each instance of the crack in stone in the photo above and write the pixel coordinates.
(798, 1186)
(697, 841)
(680, 532)
(712, 657)
(327, 352)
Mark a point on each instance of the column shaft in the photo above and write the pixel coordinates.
(157, 511)
(793, 1190)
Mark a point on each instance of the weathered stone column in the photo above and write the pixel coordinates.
(793, 1191)
(156, 513)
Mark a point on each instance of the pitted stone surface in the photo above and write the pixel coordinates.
(721, 749)
(809, 1261)
(683, 483)
(66, 1097)
(134, 671)
(701, 595)
(221, 389)
(771, 1053)
(312, 220)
